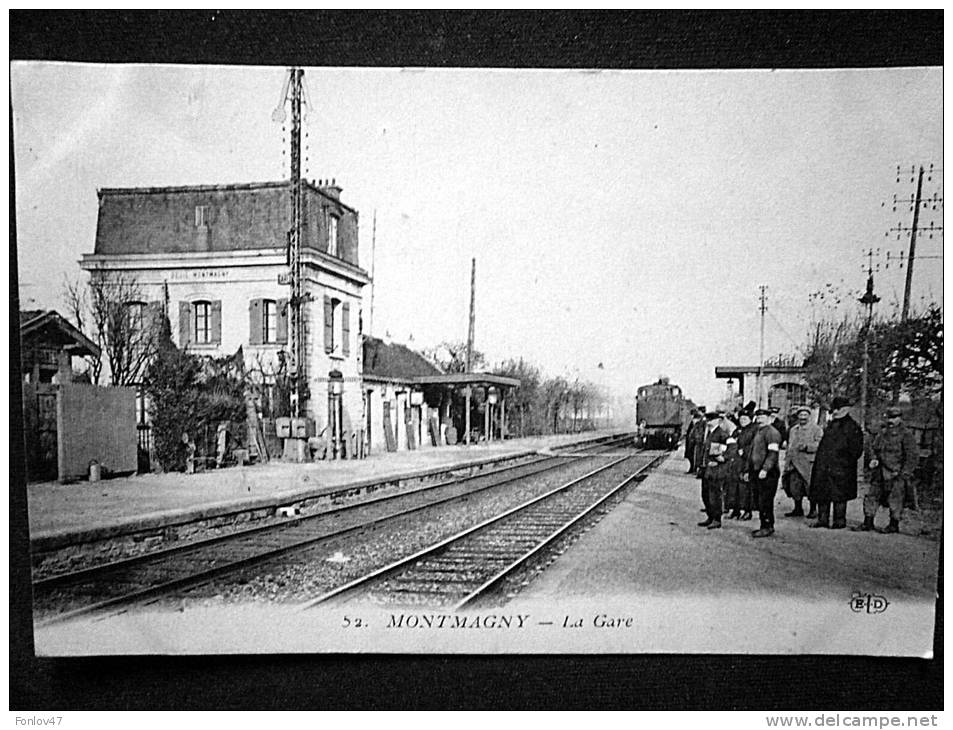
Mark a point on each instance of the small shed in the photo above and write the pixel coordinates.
(48, 343)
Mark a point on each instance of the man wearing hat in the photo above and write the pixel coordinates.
(715, 466)
(834, 477)
(803, 440)
(894, 457)
(764, 470)
(747, 429)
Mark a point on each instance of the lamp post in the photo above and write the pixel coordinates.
(335, 388)
(868, 300)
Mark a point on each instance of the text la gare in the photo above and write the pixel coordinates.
(599, 621)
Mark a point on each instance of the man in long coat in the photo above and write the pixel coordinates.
(764, 470)
(834, 478)
(699, 433)
(803, 440)
(745, 488)
(691, 437)
(715, 466)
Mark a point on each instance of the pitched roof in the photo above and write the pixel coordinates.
(394, 361)
(52, 328)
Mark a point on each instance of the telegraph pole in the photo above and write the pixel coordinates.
(370, 319)
(916, 202)
(761, 355)
(913, 248)
(470, 332)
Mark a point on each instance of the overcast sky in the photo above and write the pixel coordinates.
(623, 218)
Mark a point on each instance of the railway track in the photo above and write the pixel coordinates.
(116, 587)
(468, 567)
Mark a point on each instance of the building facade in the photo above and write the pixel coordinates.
(776, 385)
(214, 260)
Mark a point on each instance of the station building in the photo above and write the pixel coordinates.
(779, 384)
(213, 259)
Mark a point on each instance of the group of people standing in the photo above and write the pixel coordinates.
(737, 457)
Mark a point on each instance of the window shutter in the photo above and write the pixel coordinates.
(282, 320)
(255, 315)
(185, 323)
(217, 322)
(152, 321)
(346, 328)
(328, 325)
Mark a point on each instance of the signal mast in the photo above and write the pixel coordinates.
(292, 92)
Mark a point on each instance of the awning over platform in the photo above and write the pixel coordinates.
(453, 379)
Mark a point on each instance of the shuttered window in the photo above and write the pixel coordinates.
(268, 321)
(200, 323)
(328, 325)
(337, 326)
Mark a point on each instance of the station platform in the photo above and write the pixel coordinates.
(687, 588)
(84, 511)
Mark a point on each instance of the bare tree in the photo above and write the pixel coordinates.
(76, 296)
(111, 310)
(451, 357)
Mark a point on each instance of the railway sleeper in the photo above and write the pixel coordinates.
(421, 587)
(437, 574)
(437, 578)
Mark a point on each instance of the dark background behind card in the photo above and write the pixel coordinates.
(636, 40)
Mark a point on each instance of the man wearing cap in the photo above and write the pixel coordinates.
(779, 425)
(894, 457)
(834, 477)
(716, 444)
(803, 440)
(764, 470)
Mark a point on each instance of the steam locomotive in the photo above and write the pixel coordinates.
(662, 413)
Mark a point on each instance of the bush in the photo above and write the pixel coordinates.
(192, 395)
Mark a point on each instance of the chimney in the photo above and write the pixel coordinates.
(330, 188)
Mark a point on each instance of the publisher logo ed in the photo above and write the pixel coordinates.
(867, 603)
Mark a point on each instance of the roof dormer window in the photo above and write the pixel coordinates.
(201, 216)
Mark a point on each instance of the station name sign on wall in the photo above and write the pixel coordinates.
(201, 274)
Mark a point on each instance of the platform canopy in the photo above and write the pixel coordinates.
(455, 379)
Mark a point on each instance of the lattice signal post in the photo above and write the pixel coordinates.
(292, 93)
